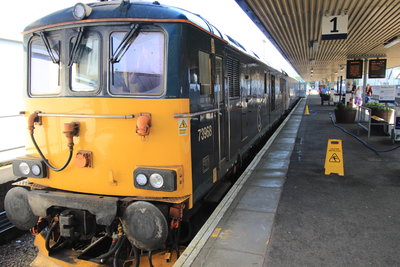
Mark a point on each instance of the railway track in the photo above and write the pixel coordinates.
(5, 224)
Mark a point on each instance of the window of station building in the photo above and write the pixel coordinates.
(85, 69)
(206, 92)
(44, 67)
(140, 70)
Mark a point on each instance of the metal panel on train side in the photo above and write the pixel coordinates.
(203, 99)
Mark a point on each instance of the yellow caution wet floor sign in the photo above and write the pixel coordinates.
(334, 157)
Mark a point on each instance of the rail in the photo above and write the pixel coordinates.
(5, 224)
(10, 116)
(11, 148)
(190, 115)
(15, 147)
(130, 116)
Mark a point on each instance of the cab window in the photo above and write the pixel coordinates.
(206, 92)
(85, 69)
(44, 67)
(140, 70)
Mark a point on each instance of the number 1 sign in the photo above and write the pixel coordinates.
(334, 27)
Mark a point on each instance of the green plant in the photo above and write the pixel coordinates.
(341, 106)
(377, 106)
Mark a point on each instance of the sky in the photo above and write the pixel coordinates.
(18, 14)
(226, 15)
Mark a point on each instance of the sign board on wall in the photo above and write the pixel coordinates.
(334, 27)
(354, 69)
(385, 93)
(377, 68)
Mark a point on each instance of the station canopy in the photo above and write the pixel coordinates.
(295, 26)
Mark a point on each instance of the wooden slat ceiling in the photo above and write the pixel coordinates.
(293, 24)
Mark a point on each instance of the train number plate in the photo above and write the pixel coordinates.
(205, 132)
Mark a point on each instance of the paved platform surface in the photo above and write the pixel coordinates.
(332, 220)
(319, 220)
(238, 232)
(6, 174)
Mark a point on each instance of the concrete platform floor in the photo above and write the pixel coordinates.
(352, 220)
(318, 220)
(238, 231)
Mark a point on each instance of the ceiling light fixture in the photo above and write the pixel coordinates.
(314, 45)
(395, 40)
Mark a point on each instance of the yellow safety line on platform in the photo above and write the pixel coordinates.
(306, 111)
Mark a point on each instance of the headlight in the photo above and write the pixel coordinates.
(156, 180)
(36, 169)
(141, 179)
(24, 168)
(81, 11)
(29, 167)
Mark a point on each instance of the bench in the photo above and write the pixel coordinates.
(365, 120)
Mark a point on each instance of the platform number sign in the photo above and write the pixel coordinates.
(334, 27)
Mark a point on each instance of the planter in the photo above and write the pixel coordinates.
(387, 115)
(345, 115)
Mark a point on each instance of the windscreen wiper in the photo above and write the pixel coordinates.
(126, 42)
(73, 53)
(49, 50)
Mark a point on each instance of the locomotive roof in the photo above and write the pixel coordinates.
(121, 10)
(137, 10)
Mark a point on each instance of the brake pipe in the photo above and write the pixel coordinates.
(70, 130)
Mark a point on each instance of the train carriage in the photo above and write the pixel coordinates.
(136, 112)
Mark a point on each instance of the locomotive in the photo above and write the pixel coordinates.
(136, 112)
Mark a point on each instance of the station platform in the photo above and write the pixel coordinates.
(284, 210)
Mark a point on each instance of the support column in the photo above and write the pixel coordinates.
(364, 81)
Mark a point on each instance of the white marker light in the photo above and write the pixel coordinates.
(36, 170)
(24, 168)
(156, 180)
(141, 179)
